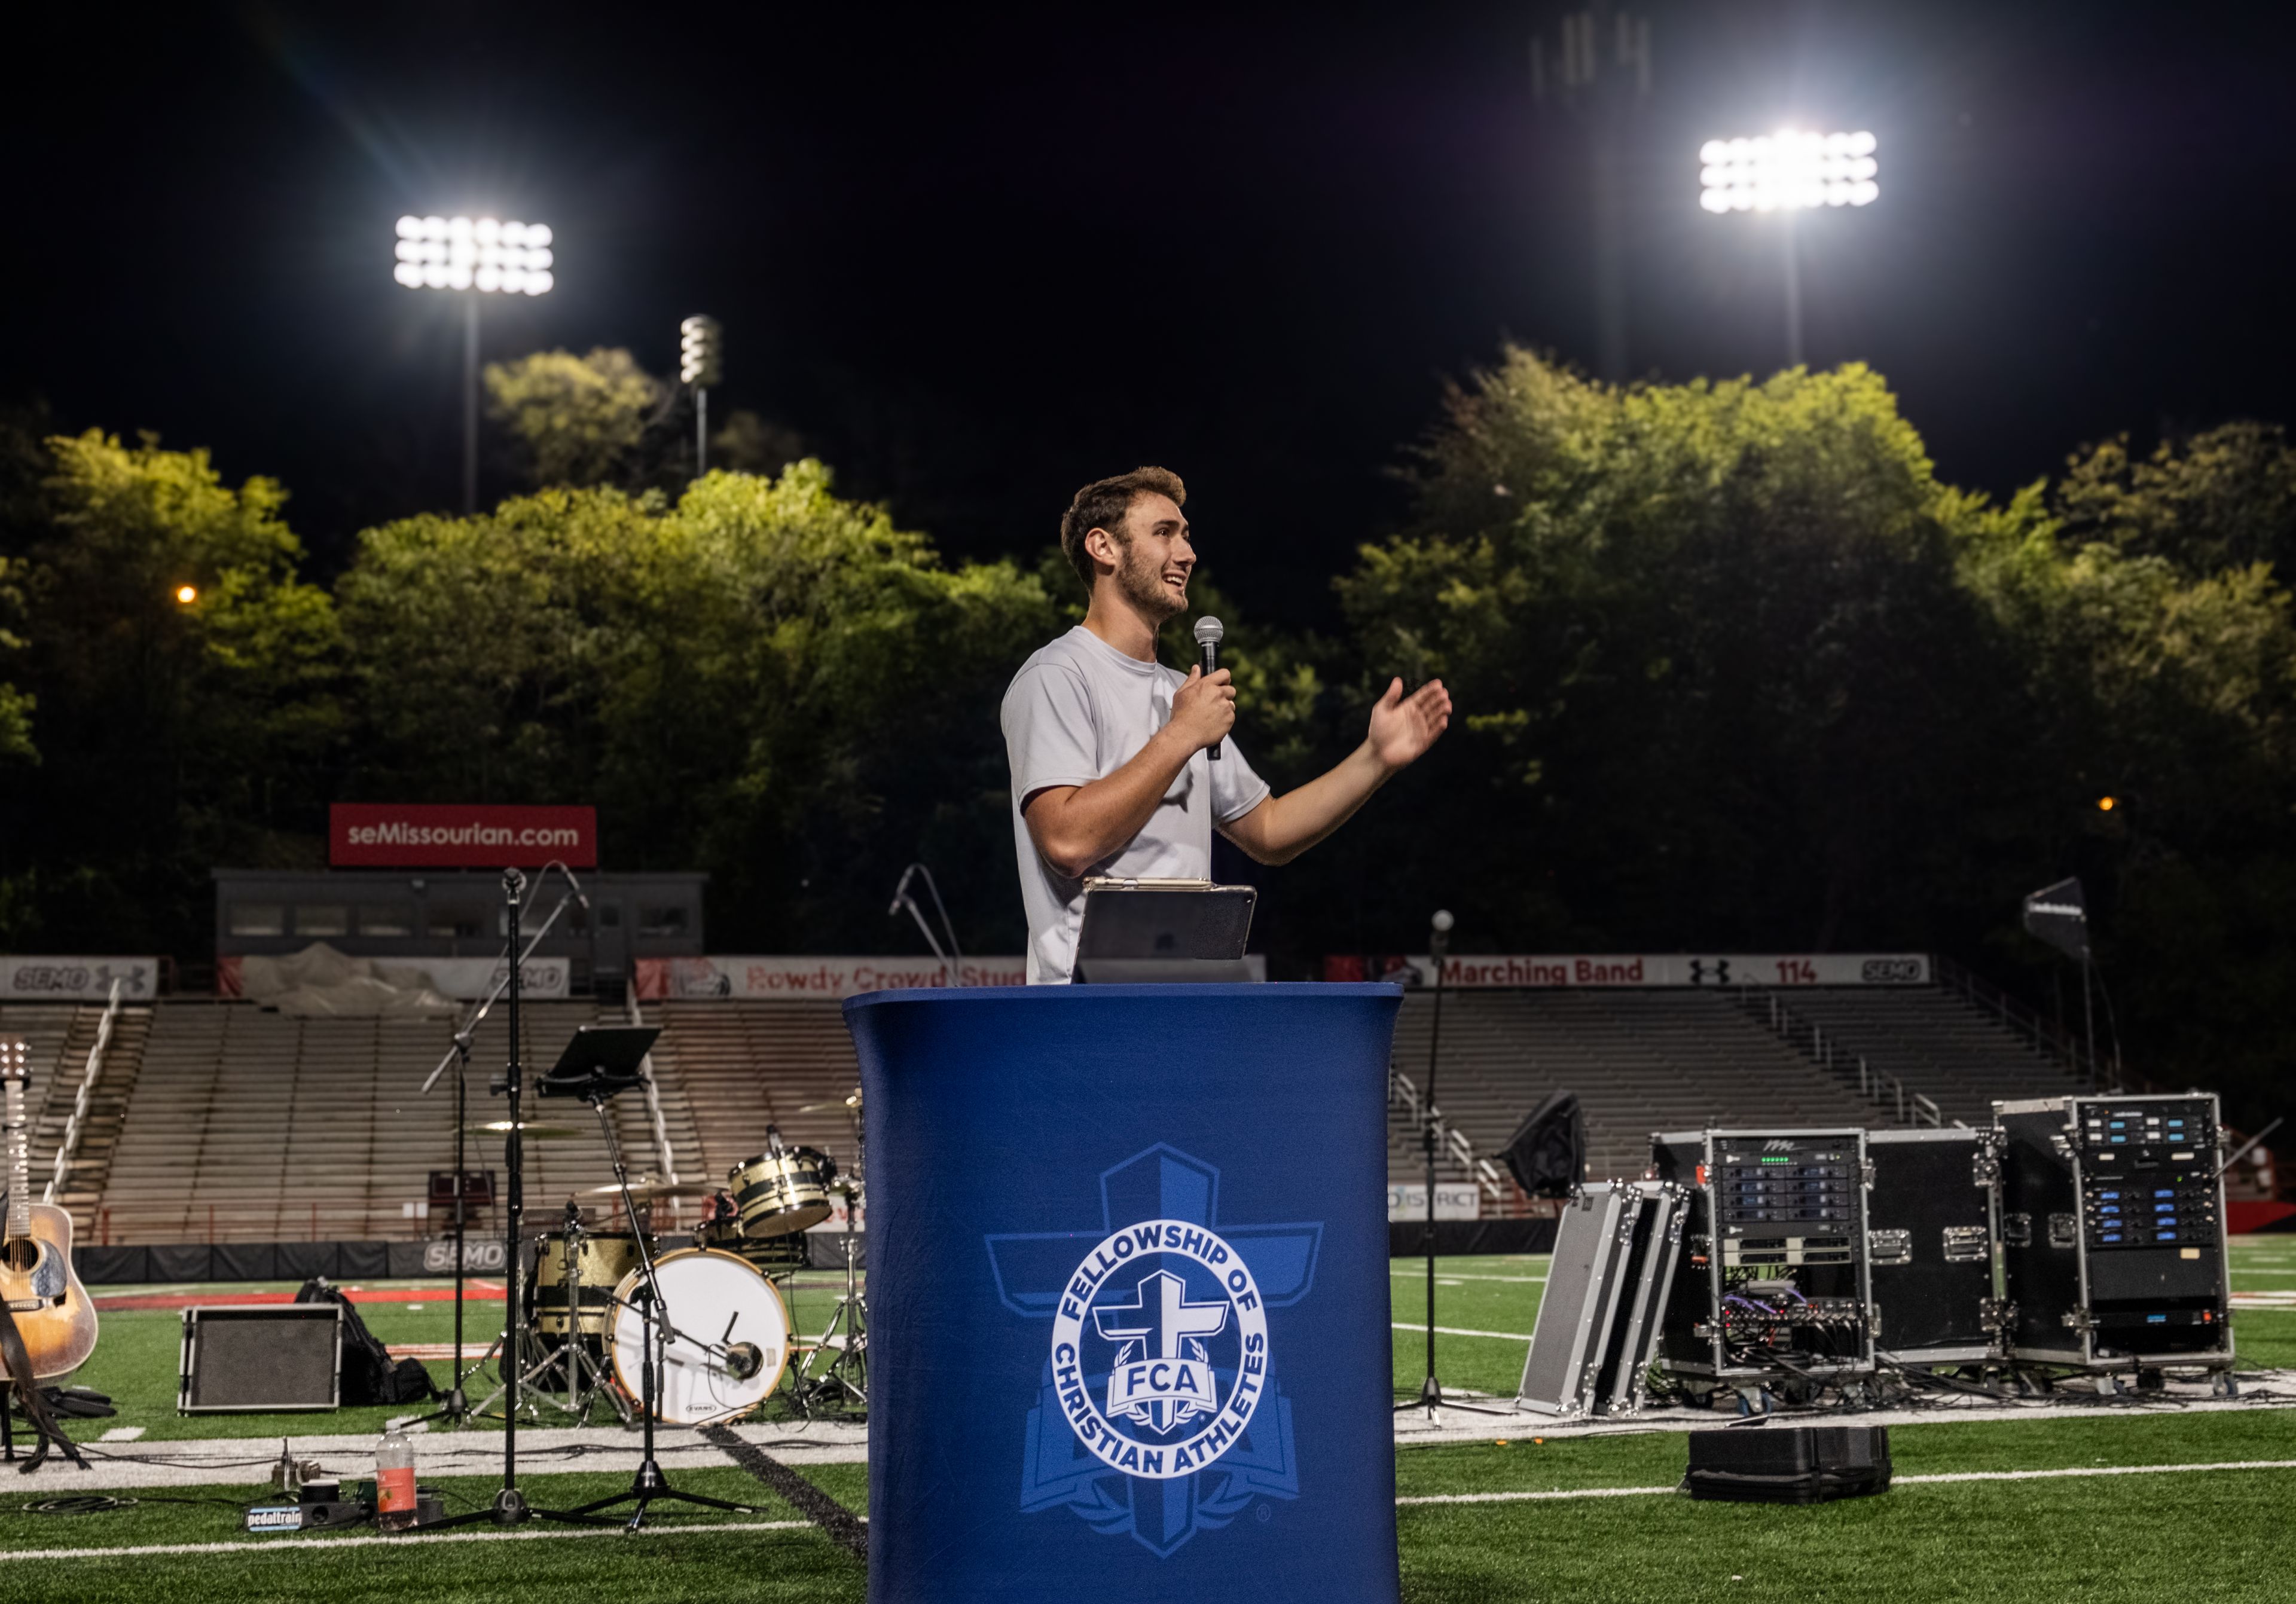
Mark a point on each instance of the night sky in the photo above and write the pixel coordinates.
(975, 260)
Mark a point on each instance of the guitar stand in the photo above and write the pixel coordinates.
(46, 1432)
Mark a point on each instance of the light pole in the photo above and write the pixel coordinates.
(1789, 171)
(700, 362)
(475, 257)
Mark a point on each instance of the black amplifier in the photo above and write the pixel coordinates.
(2112, 1232)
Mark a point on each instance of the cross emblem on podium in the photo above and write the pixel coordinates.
(1032, 1269)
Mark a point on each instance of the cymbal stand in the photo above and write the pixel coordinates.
(846, 1381)
(650, 1486)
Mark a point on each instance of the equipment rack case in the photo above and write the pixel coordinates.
(1692, 1341)
(1931, 1222)
(1585, 1279)
(2113, 1233)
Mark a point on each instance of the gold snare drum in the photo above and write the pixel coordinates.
(601, 1262)
(782, 1192)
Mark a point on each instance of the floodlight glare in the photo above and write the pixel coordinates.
(463, 253)
(1789, 170)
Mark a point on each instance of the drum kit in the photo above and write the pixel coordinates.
(717, 1311)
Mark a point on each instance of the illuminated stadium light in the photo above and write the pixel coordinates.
(1789, 171)
(474, 253)
(185, 594)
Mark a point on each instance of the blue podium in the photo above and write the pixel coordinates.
(1129, 1293)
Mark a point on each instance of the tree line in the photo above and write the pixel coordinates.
(1737, 669)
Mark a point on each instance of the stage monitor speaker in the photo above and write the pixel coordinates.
(252, 1358)
(1547, 1153)
(1792, 1464)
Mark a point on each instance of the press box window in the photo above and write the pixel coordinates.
(322, 919)
(660, 921)
(450, 923)
(257, 919)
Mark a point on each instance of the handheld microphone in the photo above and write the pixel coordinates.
(1208, 638)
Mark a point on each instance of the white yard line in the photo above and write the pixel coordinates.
(1953, 1476)
(1445, 1275)
(1420, 1325)
(407, 1539)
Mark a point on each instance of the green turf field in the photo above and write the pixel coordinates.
(1600, 1526)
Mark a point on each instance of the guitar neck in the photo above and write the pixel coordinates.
(14, 1069)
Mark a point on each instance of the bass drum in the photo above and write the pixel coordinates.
(709, 1297)
(782, 1191)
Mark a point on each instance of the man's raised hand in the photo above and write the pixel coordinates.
(1402, 727)
(1204, 709)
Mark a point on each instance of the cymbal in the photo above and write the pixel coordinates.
(650, 1192)
(853, 1101)
(531, 1131)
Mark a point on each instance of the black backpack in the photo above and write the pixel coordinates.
(369, 1374)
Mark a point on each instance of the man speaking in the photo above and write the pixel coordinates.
(1110, 774)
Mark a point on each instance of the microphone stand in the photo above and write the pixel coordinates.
(510, 1507)
(1430, 1391)
(456, 1409)
(954, 959)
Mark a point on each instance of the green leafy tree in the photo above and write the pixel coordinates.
(578, 419)
(763, 679)
(1738, 670)
(2221, 499)
(187, 711)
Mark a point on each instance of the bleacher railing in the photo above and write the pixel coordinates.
(1501, 1196)
(2041, 1033)
(73, 1127)
(1876, 1084)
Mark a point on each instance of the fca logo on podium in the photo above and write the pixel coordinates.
(1157, 1413)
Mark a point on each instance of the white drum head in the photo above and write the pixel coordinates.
(709, 1297)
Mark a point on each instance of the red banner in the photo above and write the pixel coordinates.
(414, 835)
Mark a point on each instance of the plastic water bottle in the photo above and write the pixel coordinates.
(394, 1482)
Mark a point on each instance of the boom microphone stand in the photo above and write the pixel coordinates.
(1430, 1391)
(457, 1409)
(510, 1507)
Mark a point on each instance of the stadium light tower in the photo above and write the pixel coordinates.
(1789, 171)
(701, 364)
(475, 257)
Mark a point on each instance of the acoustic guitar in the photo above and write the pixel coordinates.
(42, 1292)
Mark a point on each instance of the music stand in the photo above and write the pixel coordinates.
(600, 1061)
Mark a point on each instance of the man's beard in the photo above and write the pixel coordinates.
(1144, 586)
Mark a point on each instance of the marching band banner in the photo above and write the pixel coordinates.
(1476, 970)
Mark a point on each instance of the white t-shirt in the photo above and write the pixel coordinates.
(1078, 711)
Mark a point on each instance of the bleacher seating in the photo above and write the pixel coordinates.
(1939, 1043)
(1639, 1061)
(250, 1126)
(222, 1121)
(1652, 1061)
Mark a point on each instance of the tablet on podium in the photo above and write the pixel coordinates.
(1150, 931)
